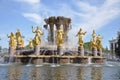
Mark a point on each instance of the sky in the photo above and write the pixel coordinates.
(100, 15)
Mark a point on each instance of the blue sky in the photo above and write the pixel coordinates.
(101, 15)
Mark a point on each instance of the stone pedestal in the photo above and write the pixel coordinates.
(38, 61)
(65, 60)
(100, 53)
(19, 49)
(37, 50)
(17, 60)
(80, 51)
(94, 51)
(99, 60)
(82, 60)
(12, 52)
(59, 50)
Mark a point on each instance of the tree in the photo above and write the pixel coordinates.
(117, 49)
(87, 45)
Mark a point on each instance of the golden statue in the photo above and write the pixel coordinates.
(99, 44)
(93, 41)
(20, 41)
(94, 36)
(31, 44)
(37, 39)
(12, 42)
(18, 34)
(80, 35)
(59, 37)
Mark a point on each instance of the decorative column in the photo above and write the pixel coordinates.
(94, 51)
(66, 27)
(57, 21)
(37, 49)
(50, 22)
(100, 52)
(60, 50)
(51, 33)
(80, 50)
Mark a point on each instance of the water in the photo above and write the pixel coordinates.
(62, 72)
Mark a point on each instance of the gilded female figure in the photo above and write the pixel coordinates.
(12, 42)
(37, 39)
(80, 35)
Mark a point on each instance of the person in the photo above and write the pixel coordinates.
(99, 44)
(18, 35)
(31, 44)
(80, 35)
(59, 37)
(20, 41)
(37, 39)
(94, 36)
(12, 42)
(93, 41)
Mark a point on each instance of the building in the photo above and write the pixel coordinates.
(113, 44)
(4, 50)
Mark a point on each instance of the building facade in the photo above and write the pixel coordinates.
(113, 45)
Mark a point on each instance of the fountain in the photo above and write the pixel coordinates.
(55, 51)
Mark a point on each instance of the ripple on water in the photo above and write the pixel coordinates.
(38, 65)
(54, 65)
(29, 65)
(8, 64)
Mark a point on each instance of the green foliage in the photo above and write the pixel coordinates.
(87, 45)
(26, 47)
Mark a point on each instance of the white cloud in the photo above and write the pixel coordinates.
(30, 5)
(93, 17)
(87, 16)
(97, 17)
(29, 1)
(33, 17)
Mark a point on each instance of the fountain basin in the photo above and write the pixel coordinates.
(38, 59)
